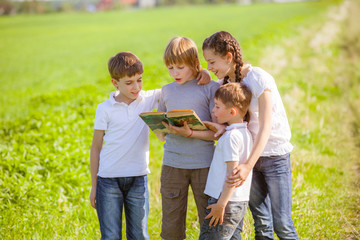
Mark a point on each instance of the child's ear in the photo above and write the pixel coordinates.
(229, 57)
(114, 82)
(233, 111)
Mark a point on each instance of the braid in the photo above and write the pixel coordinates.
(239, 62)
(235, 49)
(233, 46)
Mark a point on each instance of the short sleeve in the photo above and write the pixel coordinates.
(260, 82)
(233, 148)
(162, 107)
(101, 118)
(157, 97)
(154, 97)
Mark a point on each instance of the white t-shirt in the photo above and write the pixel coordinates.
(234, 145)
(279, 141)
(126, 149)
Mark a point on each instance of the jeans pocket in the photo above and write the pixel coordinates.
(234, 212)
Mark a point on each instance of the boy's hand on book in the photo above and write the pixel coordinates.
(216, 214)
(184, 131)
(239, 175)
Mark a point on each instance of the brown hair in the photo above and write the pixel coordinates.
(222, 43)
(124, 64)
(182, 50)
(235, 95)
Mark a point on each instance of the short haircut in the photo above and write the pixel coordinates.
(182, 50)
(124, 64)
(235, 95)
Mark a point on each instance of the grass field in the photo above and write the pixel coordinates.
(53, 73)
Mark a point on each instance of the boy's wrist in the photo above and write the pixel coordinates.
(191, 133)
(221, 204)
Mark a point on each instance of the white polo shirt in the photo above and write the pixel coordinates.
(125, 152)
(234, 145)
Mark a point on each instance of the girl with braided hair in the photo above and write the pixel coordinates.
(270, 195)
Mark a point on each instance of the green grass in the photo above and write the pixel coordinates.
(42, 54)
(53, 73)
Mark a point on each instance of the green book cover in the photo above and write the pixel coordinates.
(176, 117)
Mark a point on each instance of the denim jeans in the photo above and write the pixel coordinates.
(112, 194)
(231, 227)
(270, 198)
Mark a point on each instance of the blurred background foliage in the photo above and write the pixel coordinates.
(53, 73)
(13, 7)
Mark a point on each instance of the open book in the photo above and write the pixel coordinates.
(174, 117)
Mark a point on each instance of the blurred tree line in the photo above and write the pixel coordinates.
(12, 7)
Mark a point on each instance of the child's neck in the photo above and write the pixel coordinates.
(244, 71)
(122, 99)
(235, 119)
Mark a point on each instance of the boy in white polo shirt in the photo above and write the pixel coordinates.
(119, 168)
(227, 204)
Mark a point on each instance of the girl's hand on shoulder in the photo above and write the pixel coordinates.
(219, 129)
(239, 175)
(203, 77)
(216, 214)
(184, 131)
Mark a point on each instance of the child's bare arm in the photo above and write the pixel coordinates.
(186, 131)
(217, 128)
(217, 210)
(203, 77)
(161, 136)
(94, 162)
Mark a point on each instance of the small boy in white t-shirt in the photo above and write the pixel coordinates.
(119, 168)
(227, 204)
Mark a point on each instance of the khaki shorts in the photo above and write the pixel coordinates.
(174, 195)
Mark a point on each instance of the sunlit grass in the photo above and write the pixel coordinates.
(53, 74)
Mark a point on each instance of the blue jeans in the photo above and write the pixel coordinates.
(112, 194)
(270, 198)
(231, 227)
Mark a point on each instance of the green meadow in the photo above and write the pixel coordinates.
(53, 73)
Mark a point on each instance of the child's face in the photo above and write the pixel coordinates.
(181, 73)
(222, 113)
(129, 87)
(220, 66)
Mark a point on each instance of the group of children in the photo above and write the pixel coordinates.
(250, 164)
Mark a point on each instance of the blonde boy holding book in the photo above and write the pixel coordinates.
(187, 152)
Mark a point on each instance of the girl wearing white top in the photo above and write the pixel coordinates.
(270, 196)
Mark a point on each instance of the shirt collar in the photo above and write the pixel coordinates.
(236, 126)
(115, 93)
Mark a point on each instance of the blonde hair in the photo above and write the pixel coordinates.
(124, 64)
(235, 95)
(182, 50)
